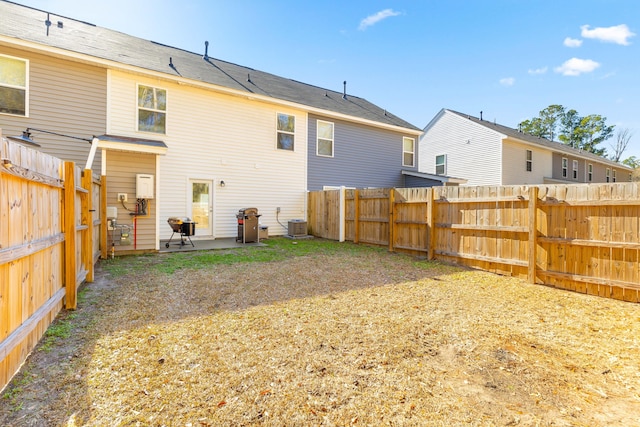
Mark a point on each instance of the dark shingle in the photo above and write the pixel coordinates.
(551, 145)
(28, 24)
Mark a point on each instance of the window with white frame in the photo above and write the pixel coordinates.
(529, 164)
(565, 167)
(286, 130)
(441, 164)
(574, 169)
(614, 176)
(324, 144)
(408, 151)
(608, 175)
(152, 109)
(590, 172)
(630, 177)
(14, 86)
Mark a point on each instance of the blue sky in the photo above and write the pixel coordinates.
(507, 58)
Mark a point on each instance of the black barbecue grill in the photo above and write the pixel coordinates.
(185, 227)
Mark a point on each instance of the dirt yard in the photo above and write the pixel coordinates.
(326, 334)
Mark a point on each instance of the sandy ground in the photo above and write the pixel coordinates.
(349, 337)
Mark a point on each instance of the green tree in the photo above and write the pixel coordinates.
(632, 162)
(567, 126)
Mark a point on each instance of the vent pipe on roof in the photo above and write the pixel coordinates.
(480, 115)
(206, 51)
(249, 78)
(47, 23)
(344, 93)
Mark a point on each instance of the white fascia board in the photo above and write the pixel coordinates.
(136, 148)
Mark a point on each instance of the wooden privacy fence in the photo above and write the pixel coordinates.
(49, 242)
(582, 237)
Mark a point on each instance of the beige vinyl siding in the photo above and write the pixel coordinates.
(64, 97)
(122, 168)
(473, 152)
(514, 170)
(216, 137)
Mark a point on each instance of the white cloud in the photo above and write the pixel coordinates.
(617, 34)
(569, 42)
(576, 66)
(507, 81)
(377, 17)
(538, 71)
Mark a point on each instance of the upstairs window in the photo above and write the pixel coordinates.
(441, 164)
(152, 109)
(565, 167)
(608, 175)
(408, 151)
(529, 163)
(614, 175)
(324, 145)
(14, 93)
(286, 129)
(574, 169)
(590, 172)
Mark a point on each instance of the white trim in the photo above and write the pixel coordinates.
(293, 149)
(413, 153)
(157, 202)
(136, 148)
(165, 111)
(333, 139)
(435, 171)
(26, 87)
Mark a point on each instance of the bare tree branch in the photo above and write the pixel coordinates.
(620, 144)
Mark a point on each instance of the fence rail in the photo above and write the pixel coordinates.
(583, 237)
(50, 228)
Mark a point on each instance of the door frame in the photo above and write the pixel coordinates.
(210, 230)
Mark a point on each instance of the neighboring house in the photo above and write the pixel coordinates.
(213, 137)
(487, 153)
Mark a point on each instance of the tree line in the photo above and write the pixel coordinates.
(557, 123)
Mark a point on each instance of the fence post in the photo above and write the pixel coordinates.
(70, 235)
(356, 216)
(87, 219)
(533, 233)
(343, 208)
(392, 225)
(431, 234)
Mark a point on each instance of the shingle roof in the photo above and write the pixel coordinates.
(28, 24)
(531, 139)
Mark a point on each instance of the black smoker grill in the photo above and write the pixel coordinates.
(248, 229)
(185, 227)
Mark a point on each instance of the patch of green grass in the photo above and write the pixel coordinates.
(13, 392)
(276, 249)
(60, 329)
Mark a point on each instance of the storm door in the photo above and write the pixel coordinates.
(202, 206)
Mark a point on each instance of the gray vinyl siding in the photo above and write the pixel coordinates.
(363, 156)
(417, 182)
(66, 97)
(599, 170)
